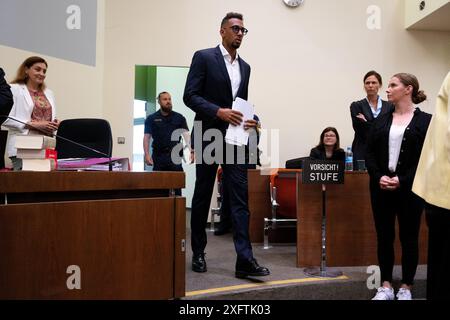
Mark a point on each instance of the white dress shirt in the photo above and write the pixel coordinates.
(395, 143)
(234, 70)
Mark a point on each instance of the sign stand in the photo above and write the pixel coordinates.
(323, 271)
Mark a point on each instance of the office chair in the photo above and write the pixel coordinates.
(93, 133)
(296, 163)
(283, 198)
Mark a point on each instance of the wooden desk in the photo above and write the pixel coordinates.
(351, 237)
(122, 229)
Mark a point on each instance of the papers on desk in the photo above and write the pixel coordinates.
(236, 135)
(93, 164)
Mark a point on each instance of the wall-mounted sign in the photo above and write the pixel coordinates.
(65, 29)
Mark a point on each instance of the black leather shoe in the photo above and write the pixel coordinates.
(199, 263)
(250, 268)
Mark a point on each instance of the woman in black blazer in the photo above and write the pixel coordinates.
(394, 146)
(364, 112)
(328, 147)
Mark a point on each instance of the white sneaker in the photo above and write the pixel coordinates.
(384, 293)
(404, 294)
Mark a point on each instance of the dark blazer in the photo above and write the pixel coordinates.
(377, 158)
(208, 87)
(319, 154)
(6, 98)
(361, 127)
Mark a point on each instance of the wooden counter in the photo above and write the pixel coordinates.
(351, 237)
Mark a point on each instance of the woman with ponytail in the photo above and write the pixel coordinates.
(394, 146)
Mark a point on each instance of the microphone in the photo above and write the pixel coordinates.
(66, 139)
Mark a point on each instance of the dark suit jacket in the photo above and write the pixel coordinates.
(208, 87)
(319, 154)
(6, 98)
(361, 127)
(377, 158)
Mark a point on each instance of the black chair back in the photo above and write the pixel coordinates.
(296, 163)
(93, 133)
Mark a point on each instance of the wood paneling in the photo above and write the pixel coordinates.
(180, 248)
(59, 181)
(259, 204)
(125, 248)
(351, 236)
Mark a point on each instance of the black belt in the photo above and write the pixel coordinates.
(164, 150)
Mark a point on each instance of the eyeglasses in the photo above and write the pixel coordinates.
(236, 30)
(330, 135)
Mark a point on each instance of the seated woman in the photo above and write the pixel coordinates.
(328, 147)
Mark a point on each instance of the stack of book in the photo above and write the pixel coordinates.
(37, 152)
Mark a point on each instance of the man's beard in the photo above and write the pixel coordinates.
(166, 109)
(235, 45)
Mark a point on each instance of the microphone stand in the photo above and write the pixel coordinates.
(68, 140)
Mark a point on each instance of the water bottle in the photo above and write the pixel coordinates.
(349, 159)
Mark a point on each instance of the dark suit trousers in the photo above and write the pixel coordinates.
(407, 207)
(225, 215)
(162, 162)
(438, 280)
(236, 185)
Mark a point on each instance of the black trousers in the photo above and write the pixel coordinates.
(225, 214)
(162, 162)
(438, 279)
(407, 208)
(235, 185)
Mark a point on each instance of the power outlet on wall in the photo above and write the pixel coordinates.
(121, 140)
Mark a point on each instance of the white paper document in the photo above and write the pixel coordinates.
(236, 134)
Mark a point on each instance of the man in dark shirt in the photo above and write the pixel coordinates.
(6, 99)
(6, 103)
(165, 126)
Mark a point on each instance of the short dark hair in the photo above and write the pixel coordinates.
(231, 15)
(159, 95)
(373, 73)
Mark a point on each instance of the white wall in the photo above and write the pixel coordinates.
(307, 63)
(78, 88)
(413, 14)
(172, 80)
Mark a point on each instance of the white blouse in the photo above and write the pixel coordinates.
(395, 142)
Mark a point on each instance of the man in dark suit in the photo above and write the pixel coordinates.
(216, 77)
(6, 103)
(6, 99)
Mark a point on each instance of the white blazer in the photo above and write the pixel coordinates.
(22, 110)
